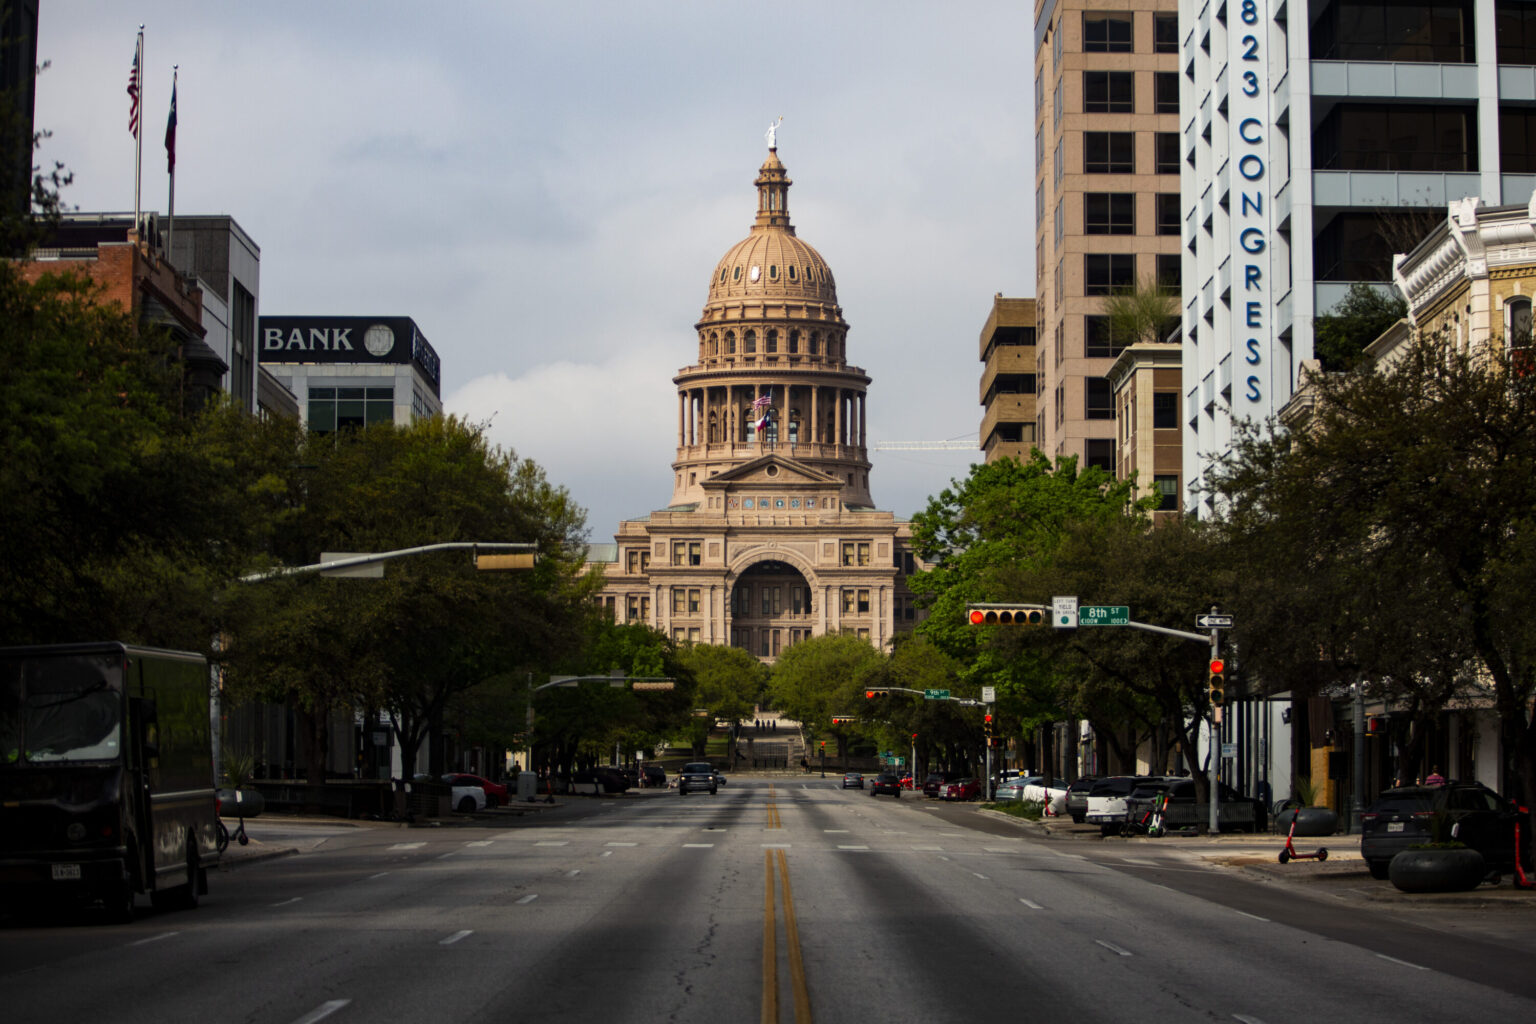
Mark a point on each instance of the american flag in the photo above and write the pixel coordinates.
(766, 400)
(133, 95)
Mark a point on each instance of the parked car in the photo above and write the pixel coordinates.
(495, 792)
(719, 779)
(467, 799)
(696, 775)
(653, 775)
(1473, 814)
(1234, 812)
(886, 782)
(1106, 803)
(853, 780)
(1077, 797)
(962, 789)
(1013, 789)
(606, 779)
(934, 784)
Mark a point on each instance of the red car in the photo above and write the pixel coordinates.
(495, 793)
(961, 789)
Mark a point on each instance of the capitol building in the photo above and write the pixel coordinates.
(771, 535)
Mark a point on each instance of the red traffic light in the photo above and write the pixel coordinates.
(978, 616)
(1007, 614)
(1217, 666)
(988, 718)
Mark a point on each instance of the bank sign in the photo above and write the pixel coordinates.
(347, 339)
(1252, 229)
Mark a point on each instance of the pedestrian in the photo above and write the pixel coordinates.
(805, 766)
(1434, 778)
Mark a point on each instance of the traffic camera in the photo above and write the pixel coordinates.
(1008, 614)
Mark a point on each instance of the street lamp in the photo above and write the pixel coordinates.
(615, 680)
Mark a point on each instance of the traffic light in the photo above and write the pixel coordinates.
(987, 726)
(872, 694)
(1218, 682)
(1008, 614)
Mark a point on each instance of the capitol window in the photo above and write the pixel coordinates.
(749, 342)
(771, 343)
(791, 271)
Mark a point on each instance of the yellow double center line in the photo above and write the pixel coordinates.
(770, 1011)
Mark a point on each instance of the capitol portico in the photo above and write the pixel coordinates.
(771, 535)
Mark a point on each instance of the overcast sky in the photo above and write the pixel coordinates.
(546, 187)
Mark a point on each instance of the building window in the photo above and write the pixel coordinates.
(1109, 92)
(242, 343)
(1391, 137)
(1105, 32)
(1517, 139)
(770, 600)
(632, 608)
(1168, 490)
(849, 600)
(1166, 152)
(730, 343)
(1099, 341)
(687, 552)
(694, 595)
(1165, 410)
(1165, 32)
(1167, 213)
(1402, 31)
(863, 602)
(1099, 452)
(679, 600)
(1165, 92)
(1169, 272)
(771, 342)
(1515, 30)
(333, 409)
(749, 342)
(1109, 152)
(1109, 213)
(1106, 273)
(1099, 399)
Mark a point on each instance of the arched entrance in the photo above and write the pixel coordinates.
(771, 609)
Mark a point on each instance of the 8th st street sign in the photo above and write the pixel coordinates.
(1104, 615)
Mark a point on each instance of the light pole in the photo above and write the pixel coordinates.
(615, 680)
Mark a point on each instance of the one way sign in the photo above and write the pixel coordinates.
(1213, 621)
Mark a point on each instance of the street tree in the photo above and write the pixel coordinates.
(823, 676)
(1402, 519)
(731, 683)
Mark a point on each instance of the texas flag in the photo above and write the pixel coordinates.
(170, 134)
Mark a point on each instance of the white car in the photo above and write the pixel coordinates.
(468, 799)
(1106, 803)
(1054, 797)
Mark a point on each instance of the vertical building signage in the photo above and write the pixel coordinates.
(1253, 314)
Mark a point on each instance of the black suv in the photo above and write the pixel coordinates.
(886, 782)
(696, 775)
(1472, 813)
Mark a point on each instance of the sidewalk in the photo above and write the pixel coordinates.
(1343, 874)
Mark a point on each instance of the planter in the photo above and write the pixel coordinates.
(1457, 870)
(1310, 821)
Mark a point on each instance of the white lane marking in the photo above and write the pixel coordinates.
(627, 844)
(455, 937)
(1243, 1018)
(1070, 856)
(153, 938)
(607, 853)
(929, 849)
(1143, 863)
(1031, 904)
(407, 846)
(381, 874)
(1113, 948)
(698, 846)
(528, 899)
(1008, 849)
(842, 847)
(287, 902)
(1405, 963)
(573, 873)
(487, 842)
(776, 846)
(322, 1011)
(1256, 917)
(942, 857)
(979, 875)
(553, 842)
(445, 856)
(835, 831)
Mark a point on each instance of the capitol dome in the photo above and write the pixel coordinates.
(771, 261)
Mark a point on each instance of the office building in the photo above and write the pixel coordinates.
(1008, 379)
(349, 371)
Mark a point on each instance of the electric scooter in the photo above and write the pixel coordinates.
(1289, 853)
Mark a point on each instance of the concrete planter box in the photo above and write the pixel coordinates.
(1310, 821)
(1457, 870)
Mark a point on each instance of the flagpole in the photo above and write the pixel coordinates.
(138, 138)
(170, 152)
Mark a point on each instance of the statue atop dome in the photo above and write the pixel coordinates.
(772, 134)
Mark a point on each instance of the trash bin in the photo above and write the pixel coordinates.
(527, 785)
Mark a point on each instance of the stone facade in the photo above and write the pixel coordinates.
(771, 535)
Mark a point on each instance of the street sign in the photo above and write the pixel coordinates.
(968, 702)
(1228, 751)
(989, 694)
(936, 695)
(1213, 621)
(1064, 612)
(1104, 615)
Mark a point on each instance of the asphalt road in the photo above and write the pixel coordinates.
(789, 900)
